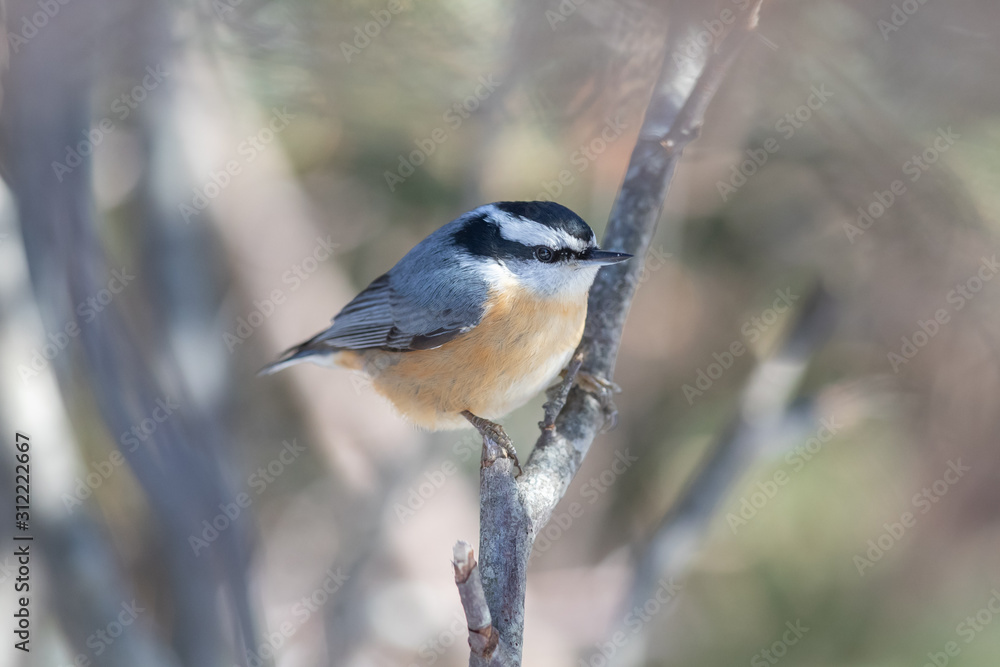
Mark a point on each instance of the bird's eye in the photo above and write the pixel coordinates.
(543, 254)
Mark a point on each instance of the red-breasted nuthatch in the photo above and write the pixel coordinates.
(475, 320)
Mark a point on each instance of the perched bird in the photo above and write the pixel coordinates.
(474, 321)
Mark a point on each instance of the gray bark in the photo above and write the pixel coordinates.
(513, 511)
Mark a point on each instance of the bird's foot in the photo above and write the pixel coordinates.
(604, 391)
(558, 393)
(496, 443)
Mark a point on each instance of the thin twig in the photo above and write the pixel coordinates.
(482, 637)
(688, 123)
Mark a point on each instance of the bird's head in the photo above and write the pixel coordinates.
(543, 246)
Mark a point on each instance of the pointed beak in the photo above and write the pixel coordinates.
(604, 257)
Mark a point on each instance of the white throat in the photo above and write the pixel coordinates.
(568, 281)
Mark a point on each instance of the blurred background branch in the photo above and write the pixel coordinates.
(765, 418)
(180, 465)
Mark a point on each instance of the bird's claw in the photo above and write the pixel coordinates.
(603, 390)
(496, 443)
(557, 393)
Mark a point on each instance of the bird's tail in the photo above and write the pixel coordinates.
(314, 350)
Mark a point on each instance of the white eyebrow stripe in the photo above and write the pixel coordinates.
(520, 230)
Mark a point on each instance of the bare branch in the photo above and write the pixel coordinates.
(505, 527)
(685, 127)
(672, 118)
(512, 512)
(482, 637)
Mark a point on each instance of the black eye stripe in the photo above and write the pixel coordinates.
(561, 255)
(480, 236)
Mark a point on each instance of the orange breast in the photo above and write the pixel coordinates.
(519, 346)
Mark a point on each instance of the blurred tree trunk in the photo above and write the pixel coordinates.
(180, 466)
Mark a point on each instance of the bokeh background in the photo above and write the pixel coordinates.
(190, 188)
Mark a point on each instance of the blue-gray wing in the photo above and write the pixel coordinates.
(426, 300)
(393, 313)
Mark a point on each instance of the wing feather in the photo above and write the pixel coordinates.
(426, 300)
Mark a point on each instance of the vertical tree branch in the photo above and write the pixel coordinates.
(512, 512)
